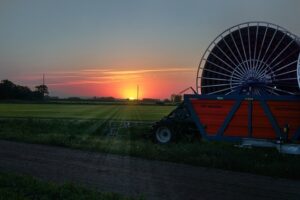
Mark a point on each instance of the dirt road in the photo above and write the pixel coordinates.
(133, 176)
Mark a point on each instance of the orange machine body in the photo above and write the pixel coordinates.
(237, 117)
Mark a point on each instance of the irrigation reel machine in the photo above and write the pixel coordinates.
(248, 87)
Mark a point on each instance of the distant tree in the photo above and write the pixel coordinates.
(167, 101)
(7, 83)
(9, 90)
(74, 98)
(41, 90)
(22, 92)
(149, 100)
(159, 103)
(106, 99)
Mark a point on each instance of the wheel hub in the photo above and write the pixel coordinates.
(251, 75)
(163, 135)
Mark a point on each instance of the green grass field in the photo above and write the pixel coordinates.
(92, 135)
(13, 186)
(71, 111)
(80, 127)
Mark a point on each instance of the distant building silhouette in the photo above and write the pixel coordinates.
(176, 98)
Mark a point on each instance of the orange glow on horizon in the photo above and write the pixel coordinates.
(158, 83)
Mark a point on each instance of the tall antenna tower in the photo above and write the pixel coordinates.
(43, 79)
(43, 85)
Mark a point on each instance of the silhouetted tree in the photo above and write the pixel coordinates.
(167, 100)
(9, 90)
(42, 90)
(22, 92)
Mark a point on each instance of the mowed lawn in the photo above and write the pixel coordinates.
(66, 111)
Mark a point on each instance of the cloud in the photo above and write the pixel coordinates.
(94, 70)
(142, 71)
(96, 76)
(104, 79)
(81, 82)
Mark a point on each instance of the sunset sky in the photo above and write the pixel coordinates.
(108, 47)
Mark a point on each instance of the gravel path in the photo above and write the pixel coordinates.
(134, 176)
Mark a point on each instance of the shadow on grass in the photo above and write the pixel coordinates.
(13, 186)
(92, 135)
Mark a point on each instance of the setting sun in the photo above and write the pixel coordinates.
(130, 92)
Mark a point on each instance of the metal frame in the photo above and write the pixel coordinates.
(238, 100)
(298, 71)
(262, 64)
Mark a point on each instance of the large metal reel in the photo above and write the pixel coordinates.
(254, 57)
(298, 71)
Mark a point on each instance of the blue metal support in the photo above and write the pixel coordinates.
(250, 110)
(197, 121)
(228, 118)
(296, 136)
(271, 118)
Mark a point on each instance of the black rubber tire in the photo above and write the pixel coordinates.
(163, 134)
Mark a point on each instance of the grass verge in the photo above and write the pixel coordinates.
(94, 135)
(13, 186)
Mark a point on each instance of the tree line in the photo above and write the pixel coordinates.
(11, 91)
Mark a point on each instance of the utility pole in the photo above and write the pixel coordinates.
(137, 93)
(43, 85)
(43, 79)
